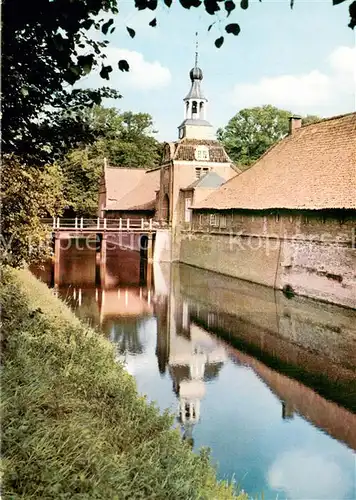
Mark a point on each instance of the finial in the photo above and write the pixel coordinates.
(196, 49)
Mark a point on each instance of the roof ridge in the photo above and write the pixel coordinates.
(152, 169)
(328, 118)
(297, 172)
(122, 168)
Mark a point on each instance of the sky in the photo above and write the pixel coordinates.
(302, 60)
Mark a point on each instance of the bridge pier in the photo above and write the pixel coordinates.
(57, 256)
(149, 260)
(150, 247)
(102, 265)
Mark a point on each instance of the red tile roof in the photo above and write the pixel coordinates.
(119, 181)
(142, 195)
(314, 168)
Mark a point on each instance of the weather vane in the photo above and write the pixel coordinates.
(196, 49)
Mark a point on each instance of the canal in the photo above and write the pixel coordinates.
(267, 382)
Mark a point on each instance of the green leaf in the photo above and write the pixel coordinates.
(229, 6)
(244, 4)
(86, 63)
(105, 27)
(211, 6)
(131, 32)
(153, 23)
(219, 41)
(168, 2)
(105, 70)
(152, 4)
(123, 65)
(187, 4)
(233, 28)
(24, 91)
(87, 24)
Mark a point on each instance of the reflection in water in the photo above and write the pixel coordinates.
(267, 383)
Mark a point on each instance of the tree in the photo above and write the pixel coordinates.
(125, 140)
(253, 130)
(309, 119)
(47, 48)
(130, 142)
(28, 194)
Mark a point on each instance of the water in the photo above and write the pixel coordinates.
(267, 383)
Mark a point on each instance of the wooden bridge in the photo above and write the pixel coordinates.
(63, 228)
(100, 225)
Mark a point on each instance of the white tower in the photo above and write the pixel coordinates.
(195, 125)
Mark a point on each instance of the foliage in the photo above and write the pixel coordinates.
(43, 50)
(28, 193)
(253, 130)
(47, 49)
(82, 173)
(73, 424)
(309, 119)
(124, 139)
(129, 141)
(216, 7)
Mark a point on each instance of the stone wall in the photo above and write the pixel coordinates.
(312, 254)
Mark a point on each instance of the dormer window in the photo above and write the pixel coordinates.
(202, 153)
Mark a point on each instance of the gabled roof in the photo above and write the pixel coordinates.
(119, 181)
(313, 169)
(210, 180)
(142, 196)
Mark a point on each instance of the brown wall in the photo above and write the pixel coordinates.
(301, 337)
(311, 252)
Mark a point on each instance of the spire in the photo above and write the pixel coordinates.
(196, 49)
(195, 103)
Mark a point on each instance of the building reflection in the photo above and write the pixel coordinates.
(192, 335)
(299, 348)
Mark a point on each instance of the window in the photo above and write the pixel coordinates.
(202, 153)
(200, 171)
(214, 220)
(194, 107)
(201, 220)
(223, 221)
(187, 211)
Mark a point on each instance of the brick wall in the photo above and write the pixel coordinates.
(312, 253)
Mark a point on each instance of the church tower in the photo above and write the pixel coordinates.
(195, 125)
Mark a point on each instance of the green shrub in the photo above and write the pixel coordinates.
(74, 426)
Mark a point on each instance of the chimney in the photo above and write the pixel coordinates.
(294, 123)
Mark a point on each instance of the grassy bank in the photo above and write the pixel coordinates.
(74, 426)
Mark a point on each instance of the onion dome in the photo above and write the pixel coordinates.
(196, 73)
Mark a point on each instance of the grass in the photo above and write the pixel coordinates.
(73, 424)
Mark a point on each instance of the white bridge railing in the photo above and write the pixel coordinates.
(101, 224)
